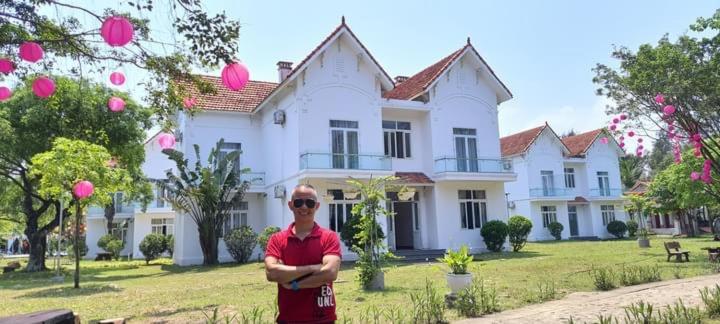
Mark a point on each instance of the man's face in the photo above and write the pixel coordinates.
(299, 204)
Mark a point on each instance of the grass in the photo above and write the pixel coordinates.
(160, 290)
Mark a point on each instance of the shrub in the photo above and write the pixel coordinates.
(457, 261)
(518, 229)
(617, 228)
(240, 243)
(265, 236)
(632, 227)
(104, 240)
(494, 234)
(152, 246)
(477, 300)
(556, 229)
(170, 244)
(602, 278)
(711, 299)
(70, 248)
(428, 305)
(115, 247)
(351, 228)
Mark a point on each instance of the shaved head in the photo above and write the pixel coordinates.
(304, 188)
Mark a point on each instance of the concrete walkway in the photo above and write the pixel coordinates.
(586, 306)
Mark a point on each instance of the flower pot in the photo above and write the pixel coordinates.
(378, 281)
(643, 243)
(458, 282)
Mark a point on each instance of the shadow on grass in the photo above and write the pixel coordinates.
(68, 291)
(170, 311)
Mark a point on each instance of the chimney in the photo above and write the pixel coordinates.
(400, 79)
(284, 69)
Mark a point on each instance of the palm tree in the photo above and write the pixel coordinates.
(631, 170)
(206, 193)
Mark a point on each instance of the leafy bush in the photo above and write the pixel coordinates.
(152, 246)
(104, 240)
(115, 247)
(642, 312)
(351, 228)
(428, 305)
(265, 236)
(477, 300)
(632, 227)
(556, 229)
(711, 299)
(617, 228)
(602, 278)
(494, 234)
(70, 248)
(240, 243)
(170, 244)
(457, 261)
(519, 228)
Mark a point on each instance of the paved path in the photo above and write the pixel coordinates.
(585, 306)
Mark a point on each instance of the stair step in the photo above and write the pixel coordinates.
(584, 238)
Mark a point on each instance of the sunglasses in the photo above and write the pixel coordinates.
(310, 203)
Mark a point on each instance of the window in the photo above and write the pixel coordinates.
(119, 229)
(340, 209)
(466, 149)
(228, 148)
(118, 203)
(569, 178)
(549, 214)
(473, 208)
(603, 183)
(416, 216)
(396, 135)
(547, 183)
(344, 144)
(608, 213)
(160, 194)
(164, 226)
(237, 217)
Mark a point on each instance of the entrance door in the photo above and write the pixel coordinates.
(403, 225)
(572, 218)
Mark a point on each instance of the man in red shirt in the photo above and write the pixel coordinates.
(304, 260)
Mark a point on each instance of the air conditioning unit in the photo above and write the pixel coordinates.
(279, 117)
(511, 204)
(279, 191)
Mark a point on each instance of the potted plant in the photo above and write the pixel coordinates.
(459, 277)
(643, 240)
(640, 204)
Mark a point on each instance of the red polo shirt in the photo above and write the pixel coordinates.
(310, 305)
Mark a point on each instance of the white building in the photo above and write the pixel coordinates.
(337, 114)
(574, 181)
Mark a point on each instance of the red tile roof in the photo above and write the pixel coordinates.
(419, 82)
(578, 199)
(579, 144)
(412, 178)
(519, 142)
(245, 100)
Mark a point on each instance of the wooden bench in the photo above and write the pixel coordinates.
(104, 256)
(12, 266)
(56, 316)
(713, 253)
(673, 249)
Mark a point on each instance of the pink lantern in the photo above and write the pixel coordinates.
(622, 138)
(639, 153)
(640, 140)
(117, 78)
(671, 128)
(235, 76)
(616, 120)
(189, 102)
(697, 137)
(631, 133)
(6, 66)
(622, 144)
(640, 147)
(31, 52)
(623, 116)
(116, 104)
(604, 140)
(613, 127)
(166, 140)
(669, 110)
(694, 176)
(43, 87)
(697, 153)
(660, 99)
(117, 31)
(83, 189)
(5, 93)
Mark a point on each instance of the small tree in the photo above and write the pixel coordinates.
(351, 228)
(115, 247)
(265, 236)
(556, 229)
(241, 242)
(152, 246)
(632, 227)
(104, 240)
(519, 228)
(617, 228)
(494, 234)
(170, 244)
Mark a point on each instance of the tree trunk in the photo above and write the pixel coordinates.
(37, 236)
(110, 215)
(38, 245)
(208, 244)
(77, 244)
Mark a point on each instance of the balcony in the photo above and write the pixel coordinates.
(452, 168)
(124, 209)
(605, 193)
(551, 192)
(255, 178)
(333, 165)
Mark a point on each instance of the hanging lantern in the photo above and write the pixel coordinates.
(31, 52)
(166, 140)
(623, 116)
(616, 120)
(659, 99)
(5, 93)
(6, 66)
(235, 76)
(639, 153)
(697, 137)
(604, 140)
(117, 78)
(116, 104)
(697, 153)
(117, 31)
(631, 133)
(694, 176)
(613, 127)
(622, 144)
(640, 140)
(189, 102)
(43, 87)
(83, 189)
(622, 138)
(640, 147)
(671, 128)
(669, 110)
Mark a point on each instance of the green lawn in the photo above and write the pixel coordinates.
(163, 291)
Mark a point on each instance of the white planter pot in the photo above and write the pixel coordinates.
(458, 282)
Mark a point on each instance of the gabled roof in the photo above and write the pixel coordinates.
(340, 30)
(245, 100)
(413, 178)
(579, 144)
(639, 188)
(520, 142)
(420, 82)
